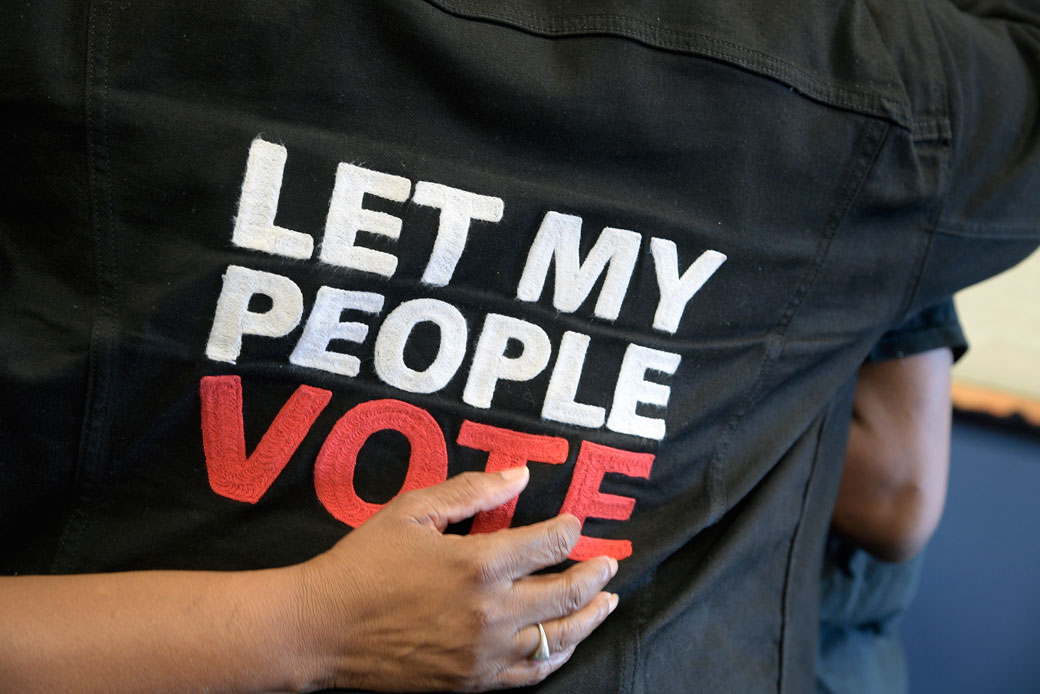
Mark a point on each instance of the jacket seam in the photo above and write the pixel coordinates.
(867, 152)
(971, 230)
(795, 534)
(97, 403)
(658, 37)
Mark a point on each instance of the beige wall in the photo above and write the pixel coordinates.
(1002, 320)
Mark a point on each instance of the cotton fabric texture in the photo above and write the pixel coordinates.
(853, 162)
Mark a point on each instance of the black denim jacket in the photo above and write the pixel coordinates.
(645, 245)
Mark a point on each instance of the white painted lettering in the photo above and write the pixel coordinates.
(347, 217)
(632, 388)
(558, 238)
(324, 325)
(233, 319)
(676, 292)
(393, 335)
(560, 404)
(458, 209)
(254, 225)
(490, 363)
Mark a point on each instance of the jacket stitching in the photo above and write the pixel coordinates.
(658, 37)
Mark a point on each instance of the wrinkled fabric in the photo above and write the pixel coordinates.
(853, 162)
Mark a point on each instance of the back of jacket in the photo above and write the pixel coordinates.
(264, 266)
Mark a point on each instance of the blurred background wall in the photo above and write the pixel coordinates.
(975, 624)
(1001, 371)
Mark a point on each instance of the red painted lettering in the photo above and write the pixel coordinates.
(231, 473)
(584, 498)
(506, 449)
(337, 460)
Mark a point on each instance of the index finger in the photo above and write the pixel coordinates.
(462, 496)
(517, 552)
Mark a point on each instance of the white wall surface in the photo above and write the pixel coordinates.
(1001, 318)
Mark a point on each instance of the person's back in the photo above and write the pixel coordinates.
(643, 249)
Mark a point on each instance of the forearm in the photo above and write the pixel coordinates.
(395, 605)
(154, 631)
(894, 482)
(893, 520)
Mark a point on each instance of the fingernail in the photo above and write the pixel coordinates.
(613, 566)
(612, 602)
(514, 473)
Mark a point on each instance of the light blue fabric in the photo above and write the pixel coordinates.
(862, 602)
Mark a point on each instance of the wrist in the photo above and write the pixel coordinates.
(327, 612)
(303, 628)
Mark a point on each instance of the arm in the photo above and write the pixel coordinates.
(394, 605)
(894, 483)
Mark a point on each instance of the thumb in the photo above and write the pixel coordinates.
(465, 495)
